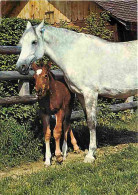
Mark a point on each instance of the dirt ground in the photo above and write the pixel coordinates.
(33, 167)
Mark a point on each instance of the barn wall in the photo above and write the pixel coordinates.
(54, 11)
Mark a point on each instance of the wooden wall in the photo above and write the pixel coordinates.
(54, 11)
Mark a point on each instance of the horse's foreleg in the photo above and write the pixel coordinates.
(47, 135)
(57, 134)
(91, 104)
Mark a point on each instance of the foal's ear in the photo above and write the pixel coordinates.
(34, 66)
(29, 25)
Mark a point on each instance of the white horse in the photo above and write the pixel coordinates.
(91, 66)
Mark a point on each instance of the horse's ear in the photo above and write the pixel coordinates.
(29, 25)
(40, 26)
(34, 66)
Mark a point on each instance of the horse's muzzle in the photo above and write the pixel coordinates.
(23, 69)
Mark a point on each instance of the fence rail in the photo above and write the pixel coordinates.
(15, 75)
(10, 50)
(24, 87)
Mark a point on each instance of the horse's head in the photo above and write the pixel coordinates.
(41, 79)
(31, 47)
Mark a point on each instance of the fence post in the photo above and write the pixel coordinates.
(23, 87)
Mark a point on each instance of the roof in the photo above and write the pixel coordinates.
(125, 10)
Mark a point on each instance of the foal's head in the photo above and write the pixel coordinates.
(41, 80)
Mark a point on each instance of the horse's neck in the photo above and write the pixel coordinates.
(58, 42)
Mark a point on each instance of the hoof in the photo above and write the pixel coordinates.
(59, 159)
(77, 151)
(64, 158)
(89, 159)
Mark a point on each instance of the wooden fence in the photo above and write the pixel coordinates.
(24, 87)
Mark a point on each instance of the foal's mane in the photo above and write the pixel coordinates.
(51, 75)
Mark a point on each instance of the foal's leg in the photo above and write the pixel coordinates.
(67, 128)
(73, 141)
(57, 134)
(47, 135)
(91, 104)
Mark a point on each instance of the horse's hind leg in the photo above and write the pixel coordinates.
(57, 134)
(47, 135)
(91, 104)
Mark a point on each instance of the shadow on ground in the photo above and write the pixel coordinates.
(105, 136)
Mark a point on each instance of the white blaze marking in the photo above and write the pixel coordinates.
(39, 71)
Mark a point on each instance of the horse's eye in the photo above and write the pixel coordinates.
(34, 42)
(46, 76)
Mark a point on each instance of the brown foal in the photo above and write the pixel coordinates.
(54, 98)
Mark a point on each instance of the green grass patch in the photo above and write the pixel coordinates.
(112, 174)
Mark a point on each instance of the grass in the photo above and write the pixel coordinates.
(112, 174)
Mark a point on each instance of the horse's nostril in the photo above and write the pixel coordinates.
(24, 69)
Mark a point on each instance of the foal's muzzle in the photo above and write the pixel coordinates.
(41, 92)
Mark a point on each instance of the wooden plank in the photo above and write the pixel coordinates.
(21, 14)
(64, 8)
(92, 7)
(47, 9)
(31, 9)
(76, 115)
(74, 8)
(68, 11)
(123, 106)
(86, 8)
(36, 9)
(26, 11)
(81, 10)
(10, 50)
(51, 9)
(41, 5)
(56, 5)
(18, 99)
(61, 10)
(15, 75)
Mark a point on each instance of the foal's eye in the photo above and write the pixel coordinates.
(34, 42)
(46, 76)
